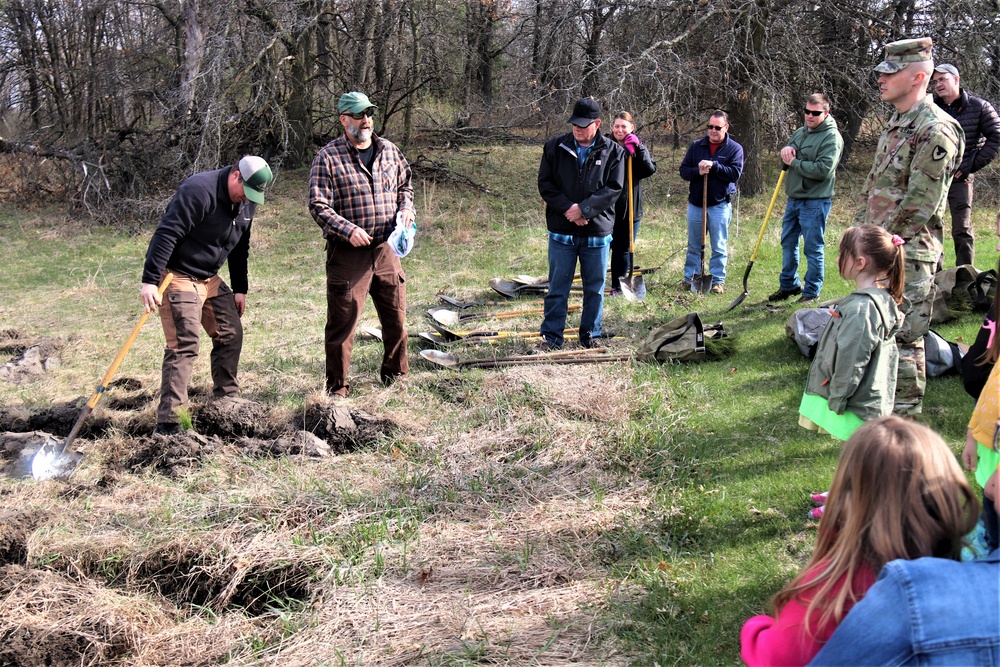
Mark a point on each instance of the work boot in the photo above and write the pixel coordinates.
(783, 294)
(685, 286)
(165, 428)
(717, 289)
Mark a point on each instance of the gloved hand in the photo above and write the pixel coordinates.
(631, 143)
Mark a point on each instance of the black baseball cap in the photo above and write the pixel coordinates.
(585, 112)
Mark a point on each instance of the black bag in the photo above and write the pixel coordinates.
(941, 357)
(975, 373)
(680, 339)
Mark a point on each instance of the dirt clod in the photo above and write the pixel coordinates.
(32, 361)
(233, 416)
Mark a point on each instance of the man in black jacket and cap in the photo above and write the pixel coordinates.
(580, 179)
(981, 125)
(206, 223)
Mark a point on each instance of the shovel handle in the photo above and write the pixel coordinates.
(101, 388)
(770, 209)
(125, 348)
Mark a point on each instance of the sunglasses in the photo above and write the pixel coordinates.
(358, 116)
(810, 112)
(717, 127)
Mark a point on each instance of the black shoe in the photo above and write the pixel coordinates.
(808, 299)
(783, 294)
(167, 429)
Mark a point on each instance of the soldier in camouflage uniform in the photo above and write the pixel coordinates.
(907, 193)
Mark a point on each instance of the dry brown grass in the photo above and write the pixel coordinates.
(467, 538)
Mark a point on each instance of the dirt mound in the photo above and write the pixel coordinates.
(345, 430)
(33, 358)
(236, 417)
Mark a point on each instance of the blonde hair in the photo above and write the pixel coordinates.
(898, 493)
(877, 245)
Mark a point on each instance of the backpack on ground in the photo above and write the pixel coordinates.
(962, 289)
(683, 339)
(941, 356)
(806, 325)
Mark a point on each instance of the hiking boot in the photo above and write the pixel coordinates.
(808, 299)
(717, 289)
(685, 286)
(165, 428)
(783, 294)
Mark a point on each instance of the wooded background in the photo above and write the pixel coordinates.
(110, 101)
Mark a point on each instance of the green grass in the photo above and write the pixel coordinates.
(717, 466)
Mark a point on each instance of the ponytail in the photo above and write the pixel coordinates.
(897, 270)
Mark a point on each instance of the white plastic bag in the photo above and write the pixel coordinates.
(401, 238)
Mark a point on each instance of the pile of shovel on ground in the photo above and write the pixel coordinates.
(633, 287)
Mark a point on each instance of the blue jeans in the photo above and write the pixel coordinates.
(562, 266)
(805, 218)
(718, 238)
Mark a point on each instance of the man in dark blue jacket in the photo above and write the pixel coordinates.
(580, 179)
(981, 124)
(719, 157)
(206, 223)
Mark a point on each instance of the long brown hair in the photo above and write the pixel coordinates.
(882, 249)
(898, 493)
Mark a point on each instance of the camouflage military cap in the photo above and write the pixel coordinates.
(900, 54)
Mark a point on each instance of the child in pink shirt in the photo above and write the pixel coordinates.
(898, 493)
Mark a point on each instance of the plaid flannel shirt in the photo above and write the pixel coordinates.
(342, 197)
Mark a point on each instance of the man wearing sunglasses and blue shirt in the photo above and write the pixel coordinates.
(357, 185)
(719, 157)
(812, 155)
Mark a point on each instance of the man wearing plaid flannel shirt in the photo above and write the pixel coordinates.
(357, 185)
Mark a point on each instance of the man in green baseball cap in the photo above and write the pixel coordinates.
(206, 224)
(359, 187)
(906, 193)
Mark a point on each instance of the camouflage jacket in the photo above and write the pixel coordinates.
(907, 189)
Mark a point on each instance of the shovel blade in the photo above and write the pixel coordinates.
(52, 461)
(701, 284)
(634, 289)
(740, 299)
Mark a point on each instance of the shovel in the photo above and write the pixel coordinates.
(767, 216)
(451, 318)
(569, 357)
(49, 461)
(701, 282)
(632, 285)
(455, 303)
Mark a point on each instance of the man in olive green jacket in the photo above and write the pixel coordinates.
(811, 158)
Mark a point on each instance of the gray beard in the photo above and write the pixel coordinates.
(360, 135)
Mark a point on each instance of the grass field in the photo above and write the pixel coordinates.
(613, 514)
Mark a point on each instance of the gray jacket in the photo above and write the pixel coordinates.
(855, 363)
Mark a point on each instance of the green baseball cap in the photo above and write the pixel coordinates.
(256, 176)
(354, 103)
(900, 54)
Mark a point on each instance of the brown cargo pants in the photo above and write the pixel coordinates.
(188, 305)
(351, 274)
